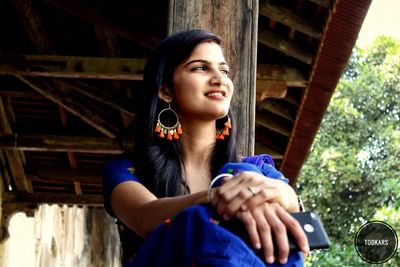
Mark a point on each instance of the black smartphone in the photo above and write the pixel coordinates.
(309, 221)
(314, 230)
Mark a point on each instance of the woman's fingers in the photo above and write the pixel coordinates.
(234, 193)
(294, 227)
(266, 193)
(264, 232)
(249, 222)
(230, 207)
(278, 228)
(268, 226)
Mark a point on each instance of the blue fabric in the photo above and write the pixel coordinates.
(116, 171)
(194, 237)
(266, 165)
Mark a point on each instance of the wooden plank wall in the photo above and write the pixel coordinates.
(236, 22)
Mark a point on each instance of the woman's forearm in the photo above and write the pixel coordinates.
(141, 211)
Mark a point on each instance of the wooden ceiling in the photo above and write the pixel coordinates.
(69, 70)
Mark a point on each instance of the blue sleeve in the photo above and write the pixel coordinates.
(267, 166)
(262, 164)
(116, 171)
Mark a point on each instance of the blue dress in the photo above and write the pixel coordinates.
(197, 236)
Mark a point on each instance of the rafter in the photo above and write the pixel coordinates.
(64, 175)
(87, 13)
(323, 3)
(12, 157)
(272, 124)
(95, 94)
(293, 77)
(262, 149)
(277, 107)
(72, 106)
(109, 47)
(58, 198)
(33, 25)
(96, 145)
(289, 18)
(270, 89)
(284, 45)
(72, 67)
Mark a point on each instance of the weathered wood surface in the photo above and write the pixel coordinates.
(81, 111)
(12, 157)
(101, 145)
(52, 198)
(236, 21)
(72, 67)
(286, 46)
(289, 18)
(62, 236)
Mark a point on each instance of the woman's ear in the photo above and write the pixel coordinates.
(165, 93)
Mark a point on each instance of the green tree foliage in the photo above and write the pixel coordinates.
(352, 174)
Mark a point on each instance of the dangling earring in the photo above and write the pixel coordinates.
(224, 131)
(171, 131)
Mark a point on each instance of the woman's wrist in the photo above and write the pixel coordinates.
(215, 181)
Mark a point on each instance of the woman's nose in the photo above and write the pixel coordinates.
(217, 78)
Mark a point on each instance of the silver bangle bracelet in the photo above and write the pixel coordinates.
(213, 181)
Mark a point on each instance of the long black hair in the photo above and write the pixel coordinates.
(158, 161)
(161, 159)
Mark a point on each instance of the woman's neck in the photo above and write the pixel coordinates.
(197, 144)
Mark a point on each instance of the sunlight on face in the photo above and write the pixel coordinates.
(203, 89)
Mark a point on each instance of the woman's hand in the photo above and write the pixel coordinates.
(270, 221)
(247, 190)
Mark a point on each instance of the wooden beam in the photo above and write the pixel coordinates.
(236, 22)
(72, 67)
(277, 107)
(262, 149)
(293, 77)
(33, 25)
(52, 198)
(86, 12)
(5, 175)
(11, 157)
(107, 41)
(49, 174)
(109, 47)
(284, 45)
(72, 106)
(270, 89)
(324, 3)
(277, 126)
(289, 18)
(96, 145)
(96, 94)
(113, 68)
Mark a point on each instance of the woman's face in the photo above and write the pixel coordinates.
(202, 88)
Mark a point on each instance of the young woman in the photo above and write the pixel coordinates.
(184, 137)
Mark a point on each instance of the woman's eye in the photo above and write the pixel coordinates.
(203, 68)
(226, 72)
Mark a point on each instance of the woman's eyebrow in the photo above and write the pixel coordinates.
(204, 61)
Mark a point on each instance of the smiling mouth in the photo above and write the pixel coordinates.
(215, 94)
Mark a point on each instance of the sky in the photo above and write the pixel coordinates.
(381, 19)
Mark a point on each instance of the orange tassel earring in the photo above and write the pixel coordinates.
(224, 131)
(173, 131)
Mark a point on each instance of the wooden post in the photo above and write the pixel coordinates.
(236, 22)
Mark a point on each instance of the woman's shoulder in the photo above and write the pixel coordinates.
(120, 168)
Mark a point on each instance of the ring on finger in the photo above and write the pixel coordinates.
(251, 189)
